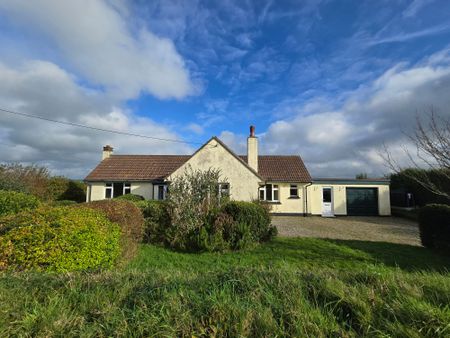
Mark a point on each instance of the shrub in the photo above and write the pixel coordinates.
(63, 203)
(12, 202)
(29, 179)
(130, 219)
(58, 239)
(131, 197)
(62, 188)
(434, 226)
(157, 220)
(253, 216)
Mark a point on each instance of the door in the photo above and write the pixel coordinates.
(362, 201)
(327, 202)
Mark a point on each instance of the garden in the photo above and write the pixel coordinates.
(199, 264)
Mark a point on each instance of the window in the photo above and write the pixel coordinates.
(108, 190)
(159, 191)
(269, 192)
(293, 191)
(224, 189)
(117, 189)
(326, 195)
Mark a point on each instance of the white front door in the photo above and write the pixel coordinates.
(327, 202)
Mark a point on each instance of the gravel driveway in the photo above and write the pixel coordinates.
(377, 229)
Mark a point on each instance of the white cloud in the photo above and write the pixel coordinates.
(348, 139)
(44, 89)
(100, 45)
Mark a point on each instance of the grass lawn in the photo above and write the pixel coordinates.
(289, 287)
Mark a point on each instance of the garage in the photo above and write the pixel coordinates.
(362, 201)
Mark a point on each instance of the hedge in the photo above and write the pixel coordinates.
(12, 202)
(434, 226)
(128, 216)
(58, 239)
(252, 215)
(131, 198)
(157, 220)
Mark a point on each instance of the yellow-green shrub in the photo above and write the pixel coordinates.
(58, 239)
(12, 202)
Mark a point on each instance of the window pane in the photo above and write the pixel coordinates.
(268, 192)
(261, 194)
(275, 195)
(327, 195)
(117, 189)
(108, 192)
(160, 192)
(293, 190)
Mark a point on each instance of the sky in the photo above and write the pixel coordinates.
(332, 81)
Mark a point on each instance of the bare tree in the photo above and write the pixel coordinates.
(432, 142)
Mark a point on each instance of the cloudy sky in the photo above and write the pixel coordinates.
(329, 80)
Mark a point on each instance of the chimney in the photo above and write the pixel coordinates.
(252, 149)
(107, 151)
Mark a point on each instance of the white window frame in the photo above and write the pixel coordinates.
(109, 186)
(275, 187)
(221, 189)
(296, 189)
(126, 186)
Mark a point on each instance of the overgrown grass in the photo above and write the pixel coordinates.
(289, 287)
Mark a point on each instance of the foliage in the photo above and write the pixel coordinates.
(434, 225)
(62, 203)
(157, 220)
(130, 219)
(131, 197)
(408, 179)
(29, 179)
(251, 216)
(298, 287)
(361, 176)
(58, 239)
(192, 196)
(61, 188)
(12, 202)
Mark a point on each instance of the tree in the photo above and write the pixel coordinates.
(431, 139)
(361, 176)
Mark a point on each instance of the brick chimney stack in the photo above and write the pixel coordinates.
(107, 151)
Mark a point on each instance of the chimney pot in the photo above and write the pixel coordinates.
(252, 131)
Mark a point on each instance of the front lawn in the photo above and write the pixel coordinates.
(289, 287)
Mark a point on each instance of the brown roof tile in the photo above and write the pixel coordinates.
(136, 167)
(158, 167)
(282, 168)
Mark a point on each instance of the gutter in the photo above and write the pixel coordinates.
(305, 204)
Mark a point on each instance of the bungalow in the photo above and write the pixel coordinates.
(282, 181)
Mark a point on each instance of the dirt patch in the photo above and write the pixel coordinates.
(378, 229)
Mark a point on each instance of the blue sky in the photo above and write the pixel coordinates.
(329, 80)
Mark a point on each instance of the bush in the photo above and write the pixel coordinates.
(157, 220)
(253, 216)
(131, 197)
(130, 219)
(58, 239)
(12, 202)
(63, 203)
(62, 188)
(434, 226)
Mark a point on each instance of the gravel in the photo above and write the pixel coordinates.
(377, 229)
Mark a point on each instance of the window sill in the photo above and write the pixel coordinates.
(294, 197)
(271, 202)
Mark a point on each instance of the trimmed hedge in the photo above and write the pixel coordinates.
(130, 197)
(130, 219)
(12, 202)
(58, 239)
(434, 226)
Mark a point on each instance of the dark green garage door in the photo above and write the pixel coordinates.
(362, 201)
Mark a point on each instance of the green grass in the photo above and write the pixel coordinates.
(290, 287)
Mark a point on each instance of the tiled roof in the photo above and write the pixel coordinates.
(136, 167)
(158, 167)
(282, 168)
